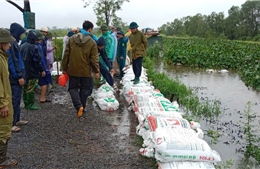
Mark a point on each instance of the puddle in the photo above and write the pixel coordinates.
(121, 123)
(61, 98)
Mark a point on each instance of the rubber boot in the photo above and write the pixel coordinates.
(133, 79)
(137, 80)
(30, 99)
(5, 162)
(25, 101)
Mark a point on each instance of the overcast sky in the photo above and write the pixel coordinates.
(147, 13)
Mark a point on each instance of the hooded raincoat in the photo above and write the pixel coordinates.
(15, 61)
(110, 45)
(31, 57)
(80, 56)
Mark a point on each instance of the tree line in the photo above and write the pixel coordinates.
(242, 23)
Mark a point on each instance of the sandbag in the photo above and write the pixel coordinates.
(186, 165)
(181, 144)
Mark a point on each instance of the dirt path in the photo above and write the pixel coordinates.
(56, 139)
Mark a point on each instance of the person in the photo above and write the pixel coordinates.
(24, 37)
(33, 69)
(43, 81)
(114, 35)
(104, 64)
(139, 45)
(129, 49)
(118, 29)
(112, 30)
(74, 30)
(121, 51)
(80, 58)
(16, 74)
(6, 107)
(66, 39)
(109, 48)
(44, 30)
(50, 49)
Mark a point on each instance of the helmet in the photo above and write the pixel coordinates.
(120, 33)
(133, 25)
(118, 29)
(39, 35)
(103, 28)
(49, 35)
(5, 36)
(44, 29)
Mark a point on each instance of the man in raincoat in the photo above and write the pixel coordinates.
(6, 106)
(109, 48)
(121, 51)
(17, 74)
(139, 45)
(79, 61)
(33, 69)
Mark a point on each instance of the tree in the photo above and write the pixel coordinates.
(118, 23)
(195, 25)
(178, 27)
(232, 23)
(250, 15)
(105, 10)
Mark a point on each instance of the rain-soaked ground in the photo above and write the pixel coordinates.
(56, 139)
(233, 96)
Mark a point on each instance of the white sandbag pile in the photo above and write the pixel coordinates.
(174, 142)
(105, 98)
(56, 67)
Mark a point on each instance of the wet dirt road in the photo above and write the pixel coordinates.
(56, 139)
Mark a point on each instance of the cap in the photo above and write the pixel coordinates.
(44, 29)
(39, 35)
(103, 28)
(120, 33)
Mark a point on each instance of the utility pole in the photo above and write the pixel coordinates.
(28, 16)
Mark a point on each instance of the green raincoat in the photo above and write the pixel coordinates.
(5, 98)
(110, 44)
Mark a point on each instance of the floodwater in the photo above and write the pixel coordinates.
(233, 96)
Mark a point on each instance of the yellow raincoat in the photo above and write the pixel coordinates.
(5, 98)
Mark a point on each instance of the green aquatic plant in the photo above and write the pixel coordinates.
(243, 57)
(225, 165)
(214, 135)
(251, 147)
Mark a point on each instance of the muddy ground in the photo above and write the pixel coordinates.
(56, 139)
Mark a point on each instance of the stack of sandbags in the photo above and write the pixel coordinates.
(105, 98)
(174, 142)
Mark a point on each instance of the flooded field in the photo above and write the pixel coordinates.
(233, 96)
